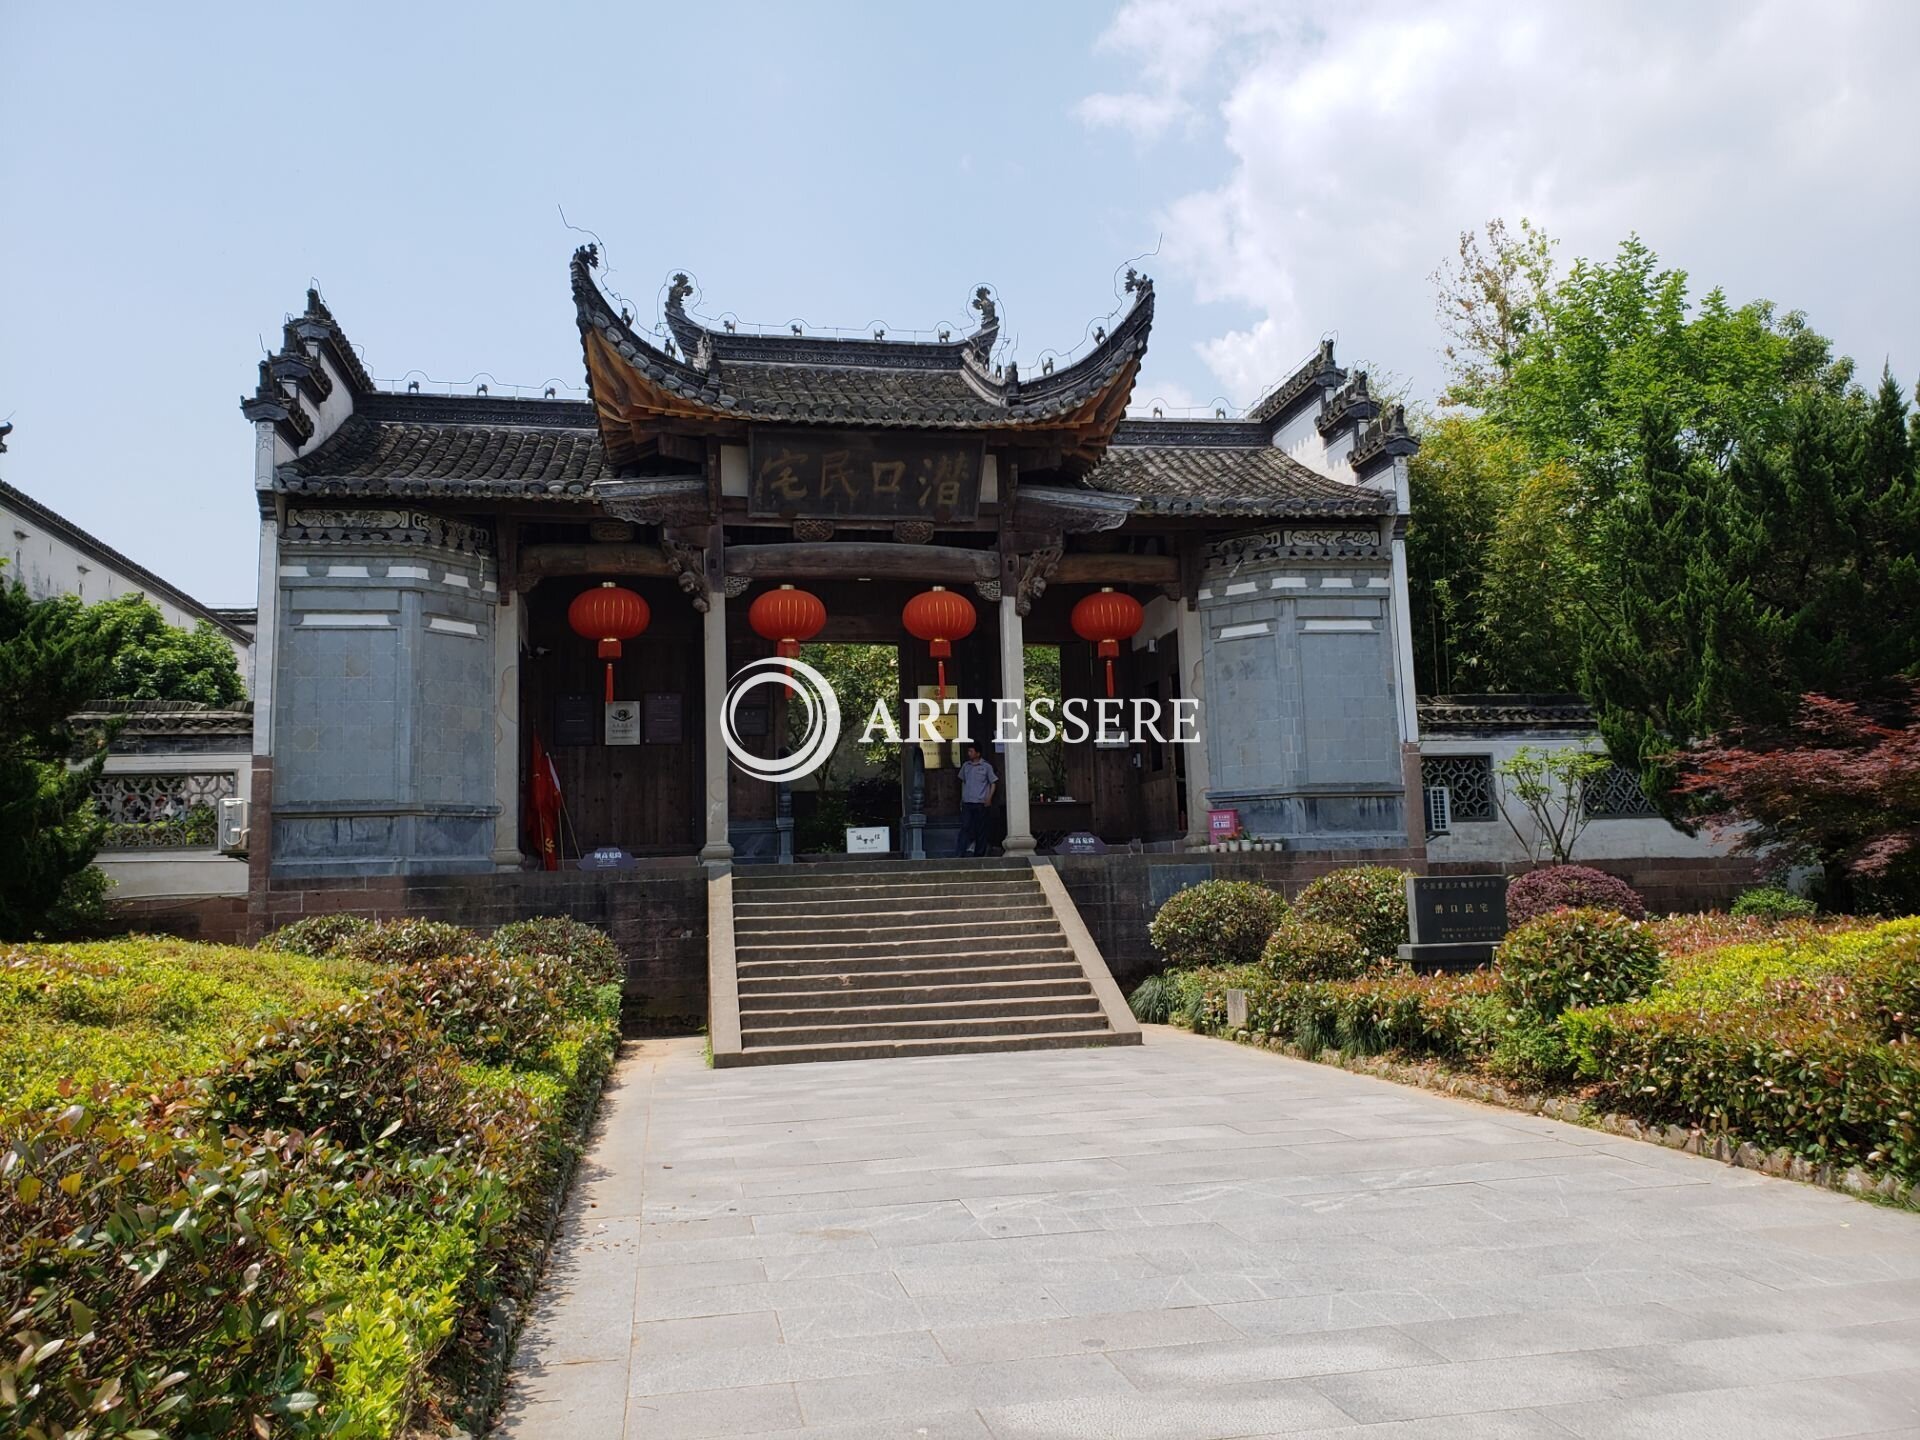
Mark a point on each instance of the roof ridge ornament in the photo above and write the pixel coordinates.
(1138, 284)
(678, 289)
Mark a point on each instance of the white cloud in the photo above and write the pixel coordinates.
(1764, 146)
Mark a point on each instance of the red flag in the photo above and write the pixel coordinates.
(543, 806)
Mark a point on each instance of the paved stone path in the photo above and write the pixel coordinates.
(1189, 1239)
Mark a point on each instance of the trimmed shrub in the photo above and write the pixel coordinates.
(584, 948)
(1570, 887)
(1771, 902)
(395, 942)
(496, 1009)
(1152, 1000)
(1303, 949)
(1569, 959)
(1369, 902)
(144, 1284)
(375, 1072)
(317, 935)
(575, 960)
(1217, 922)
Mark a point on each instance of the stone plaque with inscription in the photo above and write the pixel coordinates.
(1454, 921)
(793, 473)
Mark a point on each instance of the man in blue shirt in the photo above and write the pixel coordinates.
(978, 781)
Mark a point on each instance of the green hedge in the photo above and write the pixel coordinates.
(283, 1193)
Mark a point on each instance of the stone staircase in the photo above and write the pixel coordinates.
(860, 959)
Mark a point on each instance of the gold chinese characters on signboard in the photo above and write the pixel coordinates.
(838, 474)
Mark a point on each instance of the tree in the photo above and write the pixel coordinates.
(152, 660)
(51, 664)
(1838, 789)
(860, 675)
(1488, 301)
(1048, 762)
(1492, 573)
(1551, 786)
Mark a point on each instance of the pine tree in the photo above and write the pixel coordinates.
(51, 664)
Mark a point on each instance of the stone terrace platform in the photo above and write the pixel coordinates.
(1182, 1241)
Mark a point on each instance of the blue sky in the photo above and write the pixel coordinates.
(173, 177)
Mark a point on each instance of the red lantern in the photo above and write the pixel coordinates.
(608, 614)
(939, 617)
(788, 617)
(1108, 617)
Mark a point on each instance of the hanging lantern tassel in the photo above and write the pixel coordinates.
(610, 652)
(939, 617)
(1106, 618)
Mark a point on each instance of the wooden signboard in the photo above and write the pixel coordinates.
(886, 476)
(664, 725)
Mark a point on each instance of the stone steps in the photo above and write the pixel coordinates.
(859, 959)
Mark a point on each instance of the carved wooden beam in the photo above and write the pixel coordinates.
(542, 562)
(937, 564)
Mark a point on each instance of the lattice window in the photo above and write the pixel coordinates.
(1469, 783)
(162, 812)
(1616, 795)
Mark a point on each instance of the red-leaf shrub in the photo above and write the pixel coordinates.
(497, 1009)
(1570, 959)
(585, 950)
(1369, 902)
(1570, 887)
(1217, 922)
(1841, 791)
(317, 936)
(395, 942)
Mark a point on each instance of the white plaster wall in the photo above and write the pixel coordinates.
(327, 415)
(1300, 438)
(47, 564)
(1491, 841)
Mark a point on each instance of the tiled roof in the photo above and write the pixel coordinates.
(436, 446)
(808, 379)
(1224, 480)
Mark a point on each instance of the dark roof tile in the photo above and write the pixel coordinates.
(1221, 480)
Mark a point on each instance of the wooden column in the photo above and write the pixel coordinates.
(718, 847)
(1013, 686)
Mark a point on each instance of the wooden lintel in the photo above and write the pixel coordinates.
(939, 564)
(506, 533)
(542, 562)
(1081, 569)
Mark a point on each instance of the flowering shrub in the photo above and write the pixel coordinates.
(317, 935)
(1770, 902)
(1369, 902)
(1573, 958)
(1570, 887)
(1217, 922)
(1303, 949)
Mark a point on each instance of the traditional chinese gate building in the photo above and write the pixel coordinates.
(419, 554)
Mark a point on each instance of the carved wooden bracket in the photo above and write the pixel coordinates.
(1036, 571)
(689, 566)
(908, 532)
(813, 529)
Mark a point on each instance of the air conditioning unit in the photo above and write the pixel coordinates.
(1439, 810)
(234, 819)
